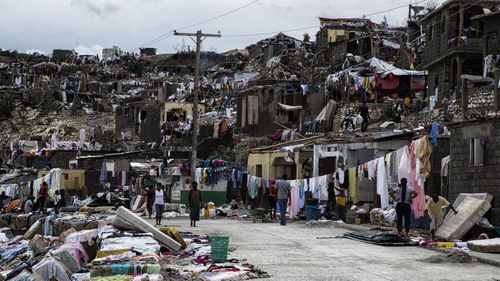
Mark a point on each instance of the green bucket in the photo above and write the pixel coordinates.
(219, 246)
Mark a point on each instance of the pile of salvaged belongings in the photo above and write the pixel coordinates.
(383, 217)
(88, 248)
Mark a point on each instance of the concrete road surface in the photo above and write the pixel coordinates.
(293, 252)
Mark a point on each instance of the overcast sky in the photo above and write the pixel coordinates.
(89, 25)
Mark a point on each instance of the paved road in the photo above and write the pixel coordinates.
(293, 252)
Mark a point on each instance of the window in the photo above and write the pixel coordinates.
(476, 151)
(77, 182)
(258, 171)
(66, 176)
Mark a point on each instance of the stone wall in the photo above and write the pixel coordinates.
(481, 99)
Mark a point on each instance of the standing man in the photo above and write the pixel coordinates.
(363, 111)
(150, 200)
(42, 196)
(57, 202)
(403, 195)
(283, 192)
(28, 206)
(195, 203)
(434, 209)
(159, 203)
(331, 195)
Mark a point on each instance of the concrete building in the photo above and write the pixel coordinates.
(111, 54)
(454, 44)
(474, 165)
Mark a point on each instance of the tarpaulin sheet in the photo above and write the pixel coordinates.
(380, 238)
(385, 68)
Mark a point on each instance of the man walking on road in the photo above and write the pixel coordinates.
(283, 191)
(434, 209)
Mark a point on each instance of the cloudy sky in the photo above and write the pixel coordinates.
(89, 25)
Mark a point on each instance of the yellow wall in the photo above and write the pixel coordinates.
(70, 179)
(266, 159)
(333, 33)
(188, 107)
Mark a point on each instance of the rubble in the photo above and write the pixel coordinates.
(452, 257)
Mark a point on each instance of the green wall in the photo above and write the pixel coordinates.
(218, 197)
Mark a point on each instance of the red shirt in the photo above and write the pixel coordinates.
(43, 192)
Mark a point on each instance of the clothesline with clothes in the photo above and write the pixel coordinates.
(22, 190)
(411, 162)
(213, 171)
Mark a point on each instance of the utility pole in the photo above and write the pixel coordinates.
(200, 36)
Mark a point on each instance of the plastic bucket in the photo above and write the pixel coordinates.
(311, 212)
(219, 247)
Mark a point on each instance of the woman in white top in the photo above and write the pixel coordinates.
(159, 203)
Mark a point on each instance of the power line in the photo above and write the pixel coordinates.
(274, 32)
(171, 33)
(395, 8)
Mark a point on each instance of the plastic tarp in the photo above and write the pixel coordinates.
(391, 44)
(385, 68)
(286, 107)
(380, 238)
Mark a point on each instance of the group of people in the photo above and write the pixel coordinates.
(157, 198)
(402, 196)
(30, 204)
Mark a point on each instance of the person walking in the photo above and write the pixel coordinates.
(159, 203)
(195, 203)
(283, 192)
(403, 195)
(272, 199)
(434, 209)
(150, 200)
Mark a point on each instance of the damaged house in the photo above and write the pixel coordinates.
(138, 119)
(274, 46)
(264, 109)
(455, 44)
(340, 38)
(60, 56)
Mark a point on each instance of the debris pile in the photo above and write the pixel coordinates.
(85, 247)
